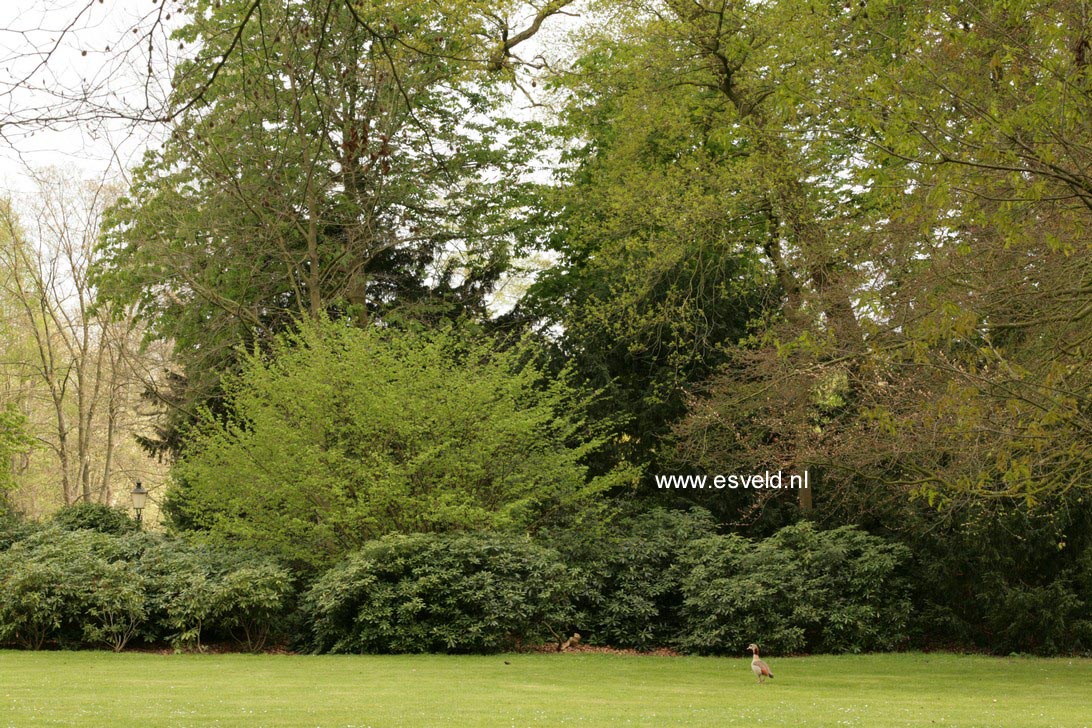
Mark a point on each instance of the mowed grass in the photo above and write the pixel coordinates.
(134, 689)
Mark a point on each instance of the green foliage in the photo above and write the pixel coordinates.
(1004, 577)
(342, 161)
(115, 604)
(83, 587)
(253, 602)
(95, 517)
(660, 268)
(907, 183)
(983, 156)
(75, 587)
(33, 601)
(194, 592)
(801, 590)
(13, 527)
(14, 439)
(345, 435)
(630, 575)
(180, 593)
(1081, 628)
(441, 593)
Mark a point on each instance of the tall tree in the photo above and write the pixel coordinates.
(978, 118)
(15, 441)
(84, 361)
(975, 375)
(704, 209)
(327, 158)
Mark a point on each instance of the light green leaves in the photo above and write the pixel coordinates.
(344, 435)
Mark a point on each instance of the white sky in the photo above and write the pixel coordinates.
(93, 51)
(55, 51)
(55, 54)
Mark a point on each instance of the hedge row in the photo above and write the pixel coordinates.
(86, 588)
(668, 580)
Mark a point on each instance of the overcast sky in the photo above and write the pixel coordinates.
(54, 54)
(56, 51)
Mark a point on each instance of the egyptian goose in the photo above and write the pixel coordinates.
(758, 667)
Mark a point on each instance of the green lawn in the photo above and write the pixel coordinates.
(103, 689)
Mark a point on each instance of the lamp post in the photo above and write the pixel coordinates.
(140, 498)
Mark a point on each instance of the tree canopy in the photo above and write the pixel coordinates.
(325, 158)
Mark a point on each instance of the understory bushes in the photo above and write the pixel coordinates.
(72, 587)
(662, 579)
(666, 578)
(440, 593)
(800, 590)
(87, 588)
(199, 592)
(1006, 578)
(95, 517)
(629, 585)
(656, 579)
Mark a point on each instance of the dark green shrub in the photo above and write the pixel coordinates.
(13, 527)
(33, 600)
(195, 592)
(251, 600)
(1005, 577)
(630, 586)
(95, 517)
(88, 588)
(1081, 625)
(440, 593)
(1022, 613)
(177, 579)
(800, 590)
(73, 587)
(114, 604)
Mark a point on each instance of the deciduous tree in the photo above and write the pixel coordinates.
(78, 369)
(326, 158)
(346, 434)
